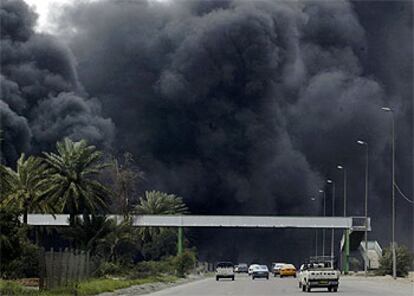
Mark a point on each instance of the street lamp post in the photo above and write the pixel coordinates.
(316, 236)
(340, 167)
(394, 257)
(329, 181)
(345, 257)
(364, 143)
(324, 214)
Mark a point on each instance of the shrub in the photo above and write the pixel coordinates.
(185, 262)
(404, 261)
(110, 268)
(149, 268)
(19, 256)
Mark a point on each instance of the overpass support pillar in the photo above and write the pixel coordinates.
(180, 239)
(346, 253)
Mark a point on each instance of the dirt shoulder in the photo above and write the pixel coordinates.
(152, 287)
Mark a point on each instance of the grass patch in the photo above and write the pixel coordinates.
(90, 287)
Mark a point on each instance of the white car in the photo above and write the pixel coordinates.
(251, 267)
(276, 268)
(224, 270)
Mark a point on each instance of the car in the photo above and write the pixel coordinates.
(318, 275)
(260, 271)
(287, 270)
(224, 270)
(242, 268)
(251, 267)
(276, 268)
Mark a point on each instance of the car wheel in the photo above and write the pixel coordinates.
(281, 276)
(232, 278)
(217, 278)
(267, 277)
(329, 289)
(294, 276)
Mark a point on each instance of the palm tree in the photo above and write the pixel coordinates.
(88, 231)
(121, 244)
(72, 178)
(23, 187)
(158, 203)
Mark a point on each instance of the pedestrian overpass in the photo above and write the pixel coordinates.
(353, 227)
(235, 221)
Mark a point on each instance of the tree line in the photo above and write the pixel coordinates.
(80, 180)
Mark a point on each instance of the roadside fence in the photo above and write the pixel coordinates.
(64, 268)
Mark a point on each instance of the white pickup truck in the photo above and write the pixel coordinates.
(318, 275)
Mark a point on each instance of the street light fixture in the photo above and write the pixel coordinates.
(394, 257)
(329, 181)
(364, 143)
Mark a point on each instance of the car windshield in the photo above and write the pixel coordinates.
(225, 265)
(263, 267)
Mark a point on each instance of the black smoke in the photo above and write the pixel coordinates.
(246, 107)
(42, 100)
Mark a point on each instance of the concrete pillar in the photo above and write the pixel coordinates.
(346, 253)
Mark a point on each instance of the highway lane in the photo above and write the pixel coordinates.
(243, 285)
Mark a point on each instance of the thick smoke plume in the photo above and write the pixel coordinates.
(42, 100)
(241, 107)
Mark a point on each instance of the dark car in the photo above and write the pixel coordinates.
(242, 268)
(260, 271)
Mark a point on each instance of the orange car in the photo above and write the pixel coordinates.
(288, 270)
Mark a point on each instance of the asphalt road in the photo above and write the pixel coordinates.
(243, 285)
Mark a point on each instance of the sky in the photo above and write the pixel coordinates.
(42, 7)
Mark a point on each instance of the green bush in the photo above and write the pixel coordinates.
(150, 268)
(160, 245)
(11, 288)
(404, 261)
(185, 262)
(19, 256)
(110, 268)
